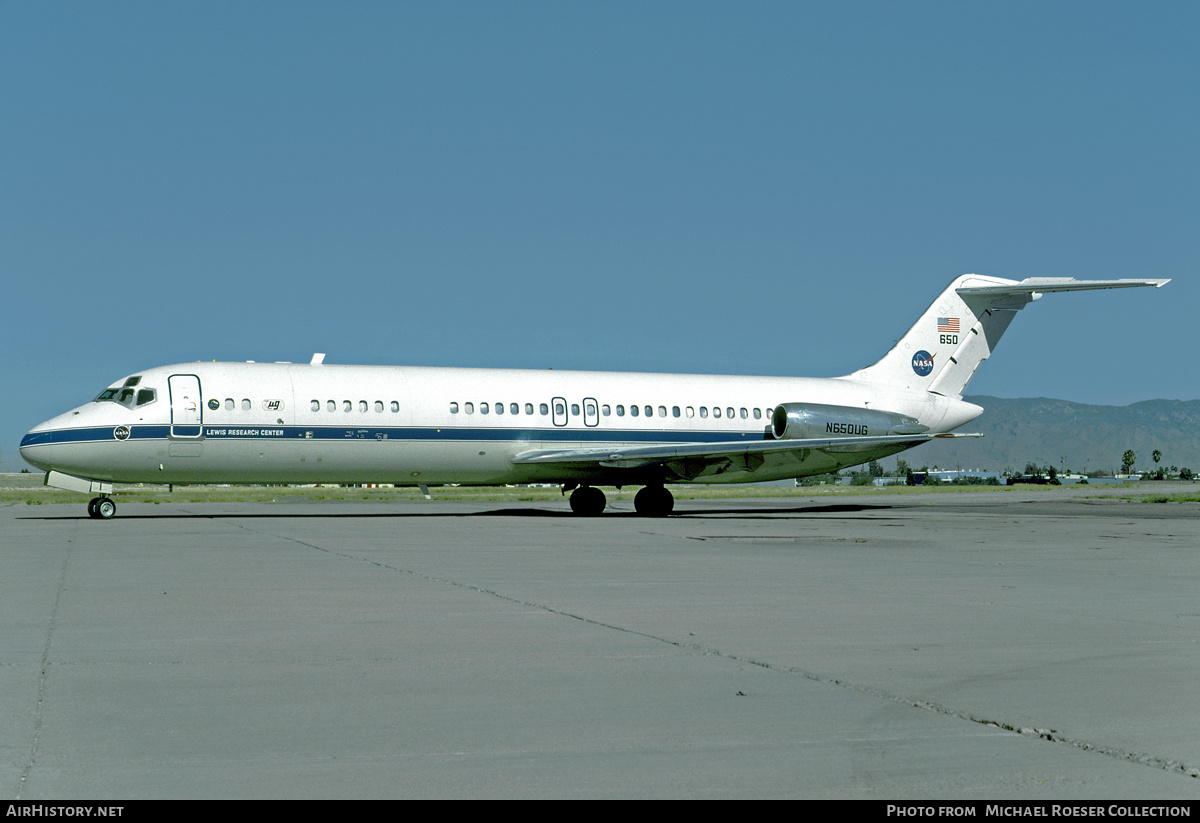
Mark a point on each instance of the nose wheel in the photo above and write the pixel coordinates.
(102, 508)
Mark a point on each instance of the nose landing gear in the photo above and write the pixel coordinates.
(102, 508)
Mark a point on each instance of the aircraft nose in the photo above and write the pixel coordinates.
(40, 435)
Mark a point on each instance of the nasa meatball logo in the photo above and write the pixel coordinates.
(121, 432)
(922, 363)
(214, 404)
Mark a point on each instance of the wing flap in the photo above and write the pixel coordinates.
(633, 457)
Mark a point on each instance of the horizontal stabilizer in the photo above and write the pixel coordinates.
(1045, 285)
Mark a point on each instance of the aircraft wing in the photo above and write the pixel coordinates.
(696, 456)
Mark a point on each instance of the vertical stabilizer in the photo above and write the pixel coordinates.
(944, 348)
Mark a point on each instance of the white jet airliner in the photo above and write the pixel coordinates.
(317, 423)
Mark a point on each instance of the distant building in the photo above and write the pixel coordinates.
(951, 476)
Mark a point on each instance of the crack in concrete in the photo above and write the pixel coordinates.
(45, 664)
(1049, 735)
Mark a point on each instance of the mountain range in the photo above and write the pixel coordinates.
(1075, 436)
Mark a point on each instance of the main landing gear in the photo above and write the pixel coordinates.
(588, 501)
(102, 508)
(652, 501)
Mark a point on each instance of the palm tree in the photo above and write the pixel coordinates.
(1127, 461)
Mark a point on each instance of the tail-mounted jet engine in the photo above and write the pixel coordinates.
(804, 421)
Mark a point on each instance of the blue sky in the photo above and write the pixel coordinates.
(751, 188)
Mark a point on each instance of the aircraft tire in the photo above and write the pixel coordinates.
(588, 501)
(92, 507)
(106, 509)
(654, 501)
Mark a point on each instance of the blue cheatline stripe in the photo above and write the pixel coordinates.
(92, 435)
(415, 433)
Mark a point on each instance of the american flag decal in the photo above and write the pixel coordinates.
(948, 324)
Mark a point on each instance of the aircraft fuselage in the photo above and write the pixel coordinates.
(301, 423)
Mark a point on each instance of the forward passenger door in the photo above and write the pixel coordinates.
(187, 409)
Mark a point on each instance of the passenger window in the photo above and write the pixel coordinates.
(514, 408)
(362, 405)
(620, 410)
(454, 408)
(662, 411)
(704, 411)
(649, 411)
(228, 404)
(316, 405)
(245, 404)
(690, 412)
(757, 414)
(395, 406)
(347, 406)
(605, 410)
(560, 409)
(529, 408)
(729, 412)
(379, 407)
(469, 407)
(331, 405)
(674, 411)
(499, 408)
(544, 409)
(743, 414)
(575, 409)
(483, 408)
(716, 411)
(633, 411)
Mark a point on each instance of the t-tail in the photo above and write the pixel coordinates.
(944, 348)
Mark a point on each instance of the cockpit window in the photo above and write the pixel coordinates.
(127, 395)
